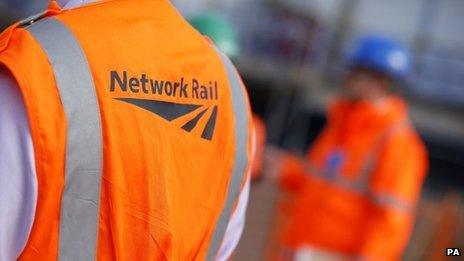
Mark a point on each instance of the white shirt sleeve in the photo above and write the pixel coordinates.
(236, 224)
(18, 181)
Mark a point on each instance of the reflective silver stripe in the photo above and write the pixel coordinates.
(391, 201)
(81, 196)
(240, 157)
(384, 200)
(339, 180)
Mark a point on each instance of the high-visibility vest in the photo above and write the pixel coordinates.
(360, 182)
(141, 132)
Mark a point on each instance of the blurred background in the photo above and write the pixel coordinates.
(291, 57)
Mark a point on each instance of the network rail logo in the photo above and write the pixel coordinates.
(170, 111)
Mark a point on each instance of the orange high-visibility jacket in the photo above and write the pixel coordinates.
(141, 132)
(356, 192)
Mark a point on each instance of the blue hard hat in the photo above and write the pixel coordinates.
(382, 55)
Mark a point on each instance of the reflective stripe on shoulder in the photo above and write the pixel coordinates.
(240, 158)
(83, 170)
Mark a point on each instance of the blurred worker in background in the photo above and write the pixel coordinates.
(225, 36)
(124, 136)
(357, 189)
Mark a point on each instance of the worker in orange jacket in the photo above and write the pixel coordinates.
(356, 192)
(134, 141)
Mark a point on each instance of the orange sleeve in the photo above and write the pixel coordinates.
(395, 187)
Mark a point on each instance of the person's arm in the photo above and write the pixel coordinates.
(18, 182)
(395, 191)
(236, 224)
